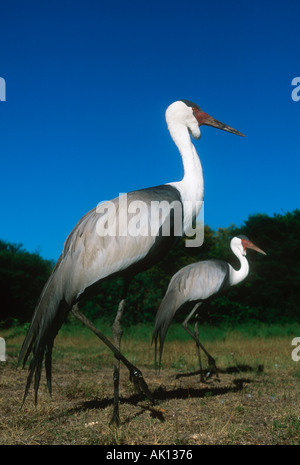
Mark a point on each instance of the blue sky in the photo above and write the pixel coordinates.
(87, 86)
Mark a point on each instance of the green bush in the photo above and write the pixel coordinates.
(270, 293)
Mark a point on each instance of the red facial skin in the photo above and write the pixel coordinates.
(248, 245)
(205, 119)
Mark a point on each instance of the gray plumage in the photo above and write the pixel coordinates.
(190, 285)
(197, 283)
(88, 259)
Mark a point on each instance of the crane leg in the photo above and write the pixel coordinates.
(195, 336)
(185, 326)
(117, 335)
(135, 374)
(211, 360)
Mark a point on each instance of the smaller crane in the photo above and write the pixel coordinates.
(195, 284)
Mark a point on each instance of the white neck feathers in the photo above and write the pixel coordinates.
(236, 276)
(191, 187)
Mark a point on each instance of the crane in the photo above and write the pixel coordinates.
(196, 284)
(113, 239)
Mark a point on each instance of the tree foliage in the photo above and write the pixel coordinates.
(270, 293)
(22, 277)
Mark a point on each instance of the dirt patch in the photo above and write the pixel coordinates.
(245, 405)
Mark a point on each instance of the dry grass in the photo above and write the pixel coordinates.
(254, 401)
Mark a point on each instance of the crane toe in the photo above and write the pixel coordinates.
(140, 384)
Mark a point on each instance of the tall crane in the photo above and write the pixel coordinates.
(104, 244)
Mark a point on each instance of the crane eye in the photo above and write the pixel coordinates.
(195, 110)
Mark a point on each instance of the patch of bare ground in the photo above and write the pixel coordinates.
(254, 399)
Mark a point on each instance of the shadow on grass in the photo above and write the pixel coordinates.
(229, 370)
(160, 394)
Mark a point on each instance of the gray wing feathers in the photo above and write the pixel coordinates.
(193, 283)
(87, 258)
(98, 255)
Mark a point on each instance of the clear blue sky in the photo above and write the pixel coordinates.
(88, 83)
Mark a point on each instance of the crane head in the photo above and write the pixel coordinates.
(207, 120)
(247, 244)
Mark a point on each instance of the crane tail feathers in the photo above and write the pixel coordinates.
(163, 319)
(49, 316)
(48, 366)
(37, 377)
(157, 365)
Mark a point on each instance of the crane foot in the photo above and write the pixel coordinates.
(212, 367)
(137, 378)
(115, 419)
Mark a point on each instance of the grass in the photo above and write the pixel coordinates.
(255, 400)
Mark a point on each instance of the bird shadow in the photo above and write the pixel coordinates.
(229, 370)
(159, 394)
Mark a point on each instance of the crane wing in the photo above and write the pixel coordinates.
(125, 235)
(92, 253)
(193, 283)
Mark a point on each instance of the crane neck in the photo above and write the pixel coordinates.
(236, 276)
(190, 158)
(191, 187)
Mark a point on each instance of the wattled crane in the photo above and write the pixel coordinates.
(104, 244)
(195, 285)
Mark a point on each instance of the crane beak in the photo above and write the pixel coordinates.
(249, 245)
(207, 120)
